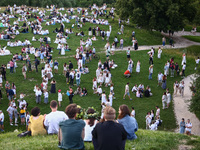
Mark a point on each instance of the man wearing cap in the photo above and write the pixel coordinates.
(1, 121)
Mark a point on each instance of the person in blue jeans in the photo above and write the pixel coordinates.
(150, 72)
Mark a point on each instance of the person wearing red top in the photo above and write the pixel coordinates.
(127, 73)
(11, 66)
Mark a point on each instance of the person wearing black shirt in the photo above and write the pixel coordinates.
(3, 71)
(36, 64)
(70, 65)
(94, 32)
(67, 76)
(109, 135)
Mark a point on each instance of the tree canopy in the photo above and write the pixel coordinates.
(157, 14)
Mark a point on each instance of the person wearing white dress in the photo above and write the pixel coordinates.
(59, 97)
(100, 79)
(90, 123)
(62, 50)
(164, 99)
(107, 80)
(183, 59)
(168, 99)
(138, 67)
(159, 53)
(94, 87)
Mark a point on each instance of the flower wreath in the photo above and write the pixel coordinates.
(94, 115)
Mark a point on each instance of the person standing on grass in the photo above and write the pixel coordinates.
(1, 121)
(11, 66)
(157, 111)
(59, 97)
(52, 120)
(128, 54)
(36, 64)
(168, 98)
(148, 120)
(160, 76)
(164, 99)
(24, 69)
(197, 63)
(150, 72)
(127, 91)
(10, 111)
(29, 64)
(159, 53)
(3, 71)
(188, 127)
(78, 78)
(121, 43)
(182, 126)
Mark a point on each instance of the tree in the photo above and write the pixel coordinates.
(195, 101)
(157, 14)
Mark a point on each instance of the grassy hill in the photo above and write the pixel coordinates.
(147, 140)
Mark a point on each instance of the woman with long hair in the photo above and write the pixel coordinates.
(90, 122)
(129, 123)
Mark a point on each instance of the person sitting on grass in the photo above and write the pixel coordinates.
(36, 125)
(71, 131)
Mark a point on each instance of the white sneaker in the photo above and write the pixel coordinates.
(16, 124)
(11, 124)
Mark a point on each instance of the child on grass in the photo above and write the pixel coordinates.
(27, 119)
(22, 115)
(46, 96)
(59, 97)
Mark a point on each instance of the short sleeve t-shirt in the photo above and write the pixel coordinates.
(71, 134)
(127, 88)
(52, 121)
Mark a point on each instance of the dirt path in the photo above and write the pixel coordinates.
(181, 107)
(180, 42)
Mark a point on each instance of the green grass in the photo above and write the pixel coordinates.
(142, 106)
(147, 140)
(190, 27)
(192, 38)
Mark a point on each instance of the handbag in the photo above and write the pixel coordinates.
(68, 94)
(181, 73)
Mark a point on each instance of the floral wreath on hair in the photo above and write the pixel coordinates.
(80, 114)
(94, 115)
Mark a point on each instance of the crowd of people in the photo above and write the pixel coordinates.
(101, 129)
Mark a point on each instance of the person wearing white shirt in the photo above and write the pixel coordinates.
(148, 120)
(197, 63)
(134, 89)
(108, 35)
(99, 90)
(78, 78)
(103, 98)
(188, 127)
(164, 99)
(1, 121)
(133, 112)
(10, 111)
(160, 76)
(38, 94)
(52, 120)
(153, 126)
(46, 96)
(183, 70)
(157, 111)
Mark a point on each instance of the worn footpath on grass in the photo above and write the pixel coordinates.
(181, 109)
(180, 42)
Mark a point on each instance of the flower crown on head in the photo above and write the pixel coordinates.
(94, 115)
